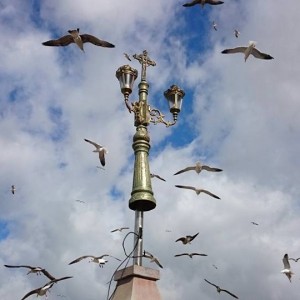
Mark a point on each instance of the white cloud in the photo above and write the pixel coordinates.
(241, 117)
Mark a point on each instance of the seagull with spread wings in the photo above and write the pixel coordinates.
(96, 259)
(157, 176)
(254, 223)
(187, 239)
(219, 290)
(152, 258)
(190, 254)
(198, 167)
(287, 268)
(198, 191)
(119, 229)
(78, 39)
(44, 289)
(36, 270)
(100, 149)
(202, 3)
(294, 259)
(250, 49)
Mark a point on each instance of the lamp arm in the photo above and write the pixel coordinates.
(157, 117)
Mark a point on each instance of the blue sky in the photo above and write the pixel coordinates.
(239, 116)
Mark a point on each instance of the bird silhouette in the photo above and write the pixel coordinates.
(100, 149)
(190, 254)
(96, 259)
(78, 39)
(187, 239)
(152, 258)
(287, 268)
(198, 191)
(44, 289)
(198, 167)
(250, 49)
(202, 3)
(219, 290)
(157, 176)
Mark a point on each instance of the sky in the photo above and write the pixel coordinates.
(239, 116)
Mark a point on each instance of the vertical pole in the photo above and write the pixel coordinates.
(138, 238)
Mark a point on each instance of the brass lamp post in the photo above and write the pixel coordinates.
(142, 198)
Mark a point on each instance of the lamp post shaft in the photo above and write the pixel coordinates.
(138, 238)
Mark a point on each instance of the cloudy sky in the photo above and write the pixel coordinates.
(240, 117)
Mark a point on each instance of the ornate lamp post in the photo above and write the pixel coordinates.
(142, 198)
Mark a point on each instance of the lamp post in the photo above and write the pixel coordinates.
(142, 198)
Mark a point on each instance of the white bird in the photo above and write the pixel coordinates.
(96, 259)
(13, 189)
(248, 50)
(190, 254)
(214, 25)
(152, 258)
(157, 176)
(36, 270)
(187, 239)
(127, 56)
(100, 149)
(119, 229)
(44, 289)
(198, 167)
(287, 268)
(198, 191)
(219, 290)
(236, 33)
(78, 39)
(202, 3)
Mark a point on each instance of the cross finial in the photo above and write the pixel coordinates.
(145, 61)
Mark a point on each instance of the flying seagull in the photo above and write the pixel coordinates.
(13, 189)
(101, 150)
(254, 223)
(198, 191)
(294, 259)
(37, 270)
(248, 50)
(78, 39)
(198, 167)
(236, 33)
(96, 259)
(187, 239)
(127, 56)
(202, 3)
(190, 254)
(287, 268)
(214, 25)
(44, 289)
(219, 290)
(152, 258)
(119, 229)
(80, 201)
(157, 176)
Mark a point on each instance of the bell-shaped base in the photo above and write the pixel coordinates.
(142, 201)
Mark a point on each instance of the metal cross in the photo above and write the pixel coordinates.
(145, 61)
